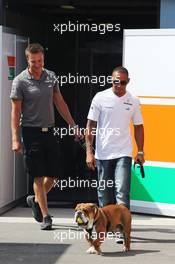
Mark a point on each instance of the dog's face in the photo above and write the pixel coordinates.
(85, 214)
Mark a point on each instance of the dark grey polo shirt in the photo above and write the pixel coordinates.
(36, 97)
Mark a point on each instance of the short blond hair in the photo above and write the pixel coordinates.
(34, 48)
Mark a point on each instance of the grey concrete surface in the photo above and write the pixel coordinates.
(22, 241)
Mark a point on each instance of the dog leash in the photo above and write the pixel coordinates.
(140, 165)
(82, 143)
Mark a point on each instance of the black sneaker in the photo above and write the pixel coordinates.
(119, 238)
(36, 211)
(47, 223)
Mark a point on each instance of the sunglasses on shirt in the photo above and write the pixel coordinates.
(119, 82)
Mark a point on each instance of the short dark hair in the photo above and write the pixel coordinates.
(121, 69)
(34, 48)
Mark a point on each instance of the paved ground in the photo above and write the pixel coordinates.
(21, 241)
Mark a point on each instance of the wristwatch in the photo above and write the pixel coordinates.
(141, 153)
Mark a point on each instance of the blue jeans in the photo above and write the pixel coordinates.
(114, 180)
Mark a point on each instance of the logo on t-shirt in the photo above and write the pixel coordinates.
(127, 103)
(49, 80)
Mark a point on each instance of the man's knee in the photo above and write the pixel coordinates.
(51, 179)
(39, 181)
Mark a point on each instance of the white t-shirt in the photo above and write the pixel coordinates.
(113, 115)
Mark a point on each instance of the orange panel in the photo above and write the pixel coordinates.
(159, 125)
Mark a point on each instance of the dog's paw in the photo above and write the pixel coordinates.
(126, 249)
(92, 250)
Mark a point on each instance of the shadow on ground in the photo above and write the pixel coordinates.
(128, 254)
(13, 253)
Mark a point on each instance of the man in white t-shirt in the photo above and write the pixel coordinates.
(111, 113)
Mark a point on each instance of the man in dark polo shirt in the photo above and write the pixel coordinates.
(33, 93)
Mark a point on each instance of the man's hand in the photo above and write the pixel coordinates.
(16, 146)
(90, 161)
(139, 157)
(77, 134)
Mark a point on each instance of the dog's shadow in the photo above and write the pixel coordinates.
(132, 253)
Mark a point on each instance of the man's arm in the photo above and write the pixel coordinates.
(15, 123)
(139, 138)
(90, 159)
(63, 108)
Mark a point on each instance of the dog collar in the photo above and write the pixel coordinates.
(94, 222)
(89, 231)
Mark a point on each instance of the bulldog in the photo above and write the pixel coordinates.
(103, 220)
